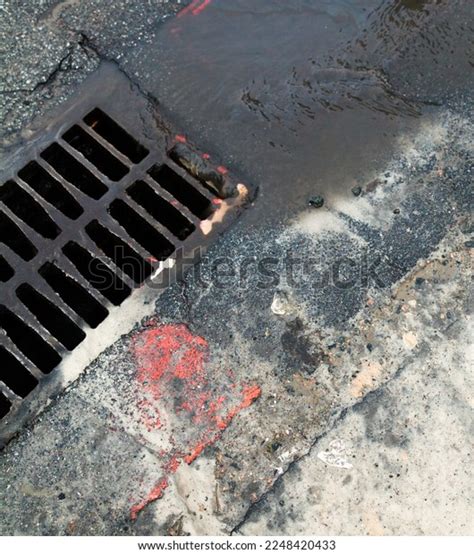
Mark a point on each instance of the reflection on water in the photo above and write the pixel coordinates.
(306, 95)
(400, 5)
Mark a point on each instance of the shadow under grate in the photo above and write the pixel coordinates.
(81, 226)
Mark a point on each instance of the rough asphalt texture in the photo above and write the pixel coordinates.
(360, 347)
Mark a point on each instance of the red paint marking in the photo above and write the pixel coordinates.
(202, 7)
(199, 449)
(217, 201)
(206, 156)
(151, 259)
(180, 138)
(250, 394)
(172, 376)
(172, 465)
(195, 8)
(154, 494)
(194, 4)
(222, 169)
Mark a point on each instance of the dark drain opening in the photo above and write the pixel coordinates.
(183, 191)
(111, 131)
(107, 236)
(73, 171)
(51, 317)
(28, 210)
(13, 237)
(5, 405)
(14, 375)
(97, 274)
(50, 189)
(160, 209)
(29, 342)
(146, 235)
(124, 257)
(105, 162)
(74, 295)
(6, 272)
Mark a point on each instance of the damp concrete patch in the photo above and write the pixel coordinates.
(398, 463)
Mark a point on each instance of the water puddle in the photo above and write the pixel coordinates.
(304, 97)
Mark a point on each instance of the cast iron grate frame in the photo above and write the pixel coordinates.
(79, 210)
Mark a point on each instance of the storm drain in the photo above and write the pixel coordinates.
(84, 223)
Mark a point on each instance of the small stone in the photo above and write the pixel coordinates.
(396, 211)
(280, 303)
(410, 340)
(419, 281)
(469, 244)
(316, 201)
(61, 496)
(356, 191)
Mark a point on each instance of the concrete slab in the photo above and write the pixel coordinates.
(62, 490)
(398, 462)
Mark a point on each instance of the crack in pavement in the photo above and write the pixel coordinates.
(52, 75)
(340, 417)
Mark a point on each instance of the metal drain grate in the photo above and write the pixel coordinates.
(83, 223)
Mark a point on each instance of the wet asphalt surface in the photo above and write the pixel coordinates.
(367, 104)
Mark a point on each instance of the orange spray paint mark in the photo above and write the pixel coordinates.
(201, 8)
(223, 170)
(180, 138)
(194, 8)
(154, 494)
(172, 376)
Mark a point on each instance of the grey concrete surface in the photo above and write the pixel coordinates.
(400, 461)
(359, 349)
(51, 46)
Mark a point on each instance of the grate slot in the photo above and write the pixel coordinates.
(73, 171)
(75, 296)
(15, 375)
(29, 319)
(145, 235)
(93, 151)
(114, 134)
(51, 317)
(95, 207)
(162, 193)
(28, 341)
(28, 210)
(88, 244)
(13, 237)
(6, 271)
(161, 210)
(5, 405)
(97, 274)
(184, 192)
(123, 256)
(50, 189)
